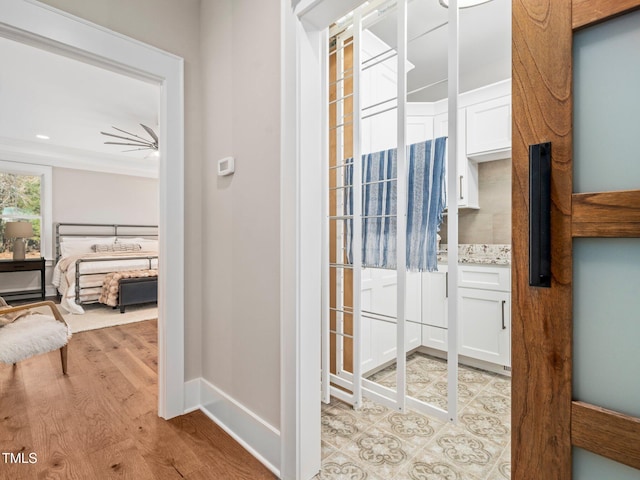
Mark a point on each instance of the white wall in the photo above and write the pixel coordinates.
(173, 26)
(241, 99)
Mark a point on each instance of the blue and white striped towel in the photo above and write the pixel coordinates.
(426, 202)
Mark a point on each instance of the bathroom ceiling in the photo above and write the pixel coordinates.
(46, 94)
(484, 39)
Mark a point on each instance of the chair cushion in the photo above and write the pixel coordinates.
(31, 335)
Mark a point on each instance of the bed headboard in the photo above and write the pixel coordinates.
(102, 230)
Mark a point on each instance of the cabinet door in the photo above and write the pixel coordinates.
(489, 129)
(484, 329)
(379, 289)
(384, 339)
(435, 309)
(419, 122)
(368, 346)
(413, 335)
(467, 184)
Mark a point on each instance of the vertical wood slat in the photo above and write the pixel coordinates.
(542, 317)
(606, 214)
(590, 12)
(607, 433)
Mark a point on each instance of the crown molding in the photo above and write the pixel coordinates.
(65, 157)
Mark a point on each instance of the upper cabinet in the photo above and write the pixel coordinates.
(489, 130)
(484, 132)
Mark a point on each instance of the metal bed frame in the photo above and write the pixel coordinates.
(103, 230)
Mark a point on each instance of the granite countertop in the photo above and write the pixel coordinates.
(479, 253)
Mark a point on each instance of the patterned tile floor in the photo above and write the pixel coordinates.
(376, 443)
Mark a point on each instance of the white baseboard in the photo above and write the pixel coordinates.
(258, 437)
(192, 395)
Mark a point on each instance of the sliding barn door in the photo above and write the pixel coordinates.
(575, 355)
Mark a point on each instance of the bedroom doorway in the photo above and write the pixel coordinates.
(50, 29)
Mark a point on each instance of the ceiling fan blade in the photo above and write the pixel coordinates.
(129, 133)
(136, 149)
(145, 145)
(124, 138)
(150, 132)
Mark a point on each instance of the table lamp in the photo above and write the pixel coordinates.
(18, 231)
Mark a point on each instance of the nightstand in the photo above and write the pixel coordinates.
(26, 265)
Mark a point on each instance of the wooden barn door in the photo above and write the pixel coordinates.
(575, 354)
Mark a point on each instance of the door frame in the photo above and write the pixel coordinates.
(546, 422)
(45, 27)
(304, 42)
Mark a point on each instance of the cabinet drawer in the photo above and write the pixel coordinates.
(485, 277)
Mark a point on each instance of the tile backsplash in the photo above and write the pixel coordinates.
(491, 224)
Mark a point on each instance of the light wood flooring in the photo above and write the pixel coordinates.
(101, 422)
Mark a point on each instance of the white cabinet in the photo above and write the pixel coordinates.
(489, 129)
(378, 326)
(484, 327)
(467, 174)
(419, 122)
(484, 312)
(435, 308)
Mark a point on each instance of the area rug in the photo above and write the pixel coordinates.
(102, 316)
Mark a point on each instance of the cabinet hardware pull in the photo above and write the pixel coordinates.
(504, 327)
(446, 284)
(461, 197)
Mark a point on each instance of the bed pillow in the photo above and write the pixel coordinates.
(116, 247)
(147, 244)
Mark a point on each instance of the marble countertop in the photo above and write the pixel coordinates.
(479, 253)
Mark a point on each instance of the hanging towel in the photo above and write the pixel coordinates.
(426, 202)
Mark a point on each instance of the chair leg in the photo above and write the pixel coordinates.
(63, 358)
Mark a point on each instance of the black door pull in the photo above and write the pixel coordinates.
(540, 215)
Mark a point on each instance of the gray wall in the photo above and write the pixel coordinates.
(232, 74)
(241, 222)
(94, 197)
(492, 223)
(173, 26)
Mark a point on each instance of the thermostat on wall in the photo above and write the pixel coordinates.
(226, 166)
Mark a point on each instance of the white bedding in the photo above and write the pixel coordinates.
(64, 275)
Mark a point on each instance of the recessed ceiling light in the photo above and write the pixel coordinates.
(43, 137)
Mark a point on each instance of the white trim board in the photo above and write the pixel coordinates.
(257, 436)
(64, 157)
(33, 23)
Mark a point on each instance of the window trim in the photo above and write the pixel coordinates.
(46, 200)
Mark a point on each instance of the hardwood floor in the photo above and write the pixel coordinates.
(100, 421)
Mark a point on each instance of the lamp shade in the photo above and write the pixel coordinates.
(18, 230)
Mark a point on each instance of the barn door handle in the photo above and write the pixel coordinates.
(540, 215)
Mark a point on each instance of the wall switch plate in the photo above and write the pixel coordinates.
(226, 166)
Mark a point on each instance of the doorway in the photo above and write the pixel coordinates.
(50, 29)
(377, 102)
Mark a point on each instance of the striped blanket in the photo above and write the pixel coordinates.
(426, 200)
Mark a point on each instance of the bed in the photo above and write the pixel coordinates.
(87, 253)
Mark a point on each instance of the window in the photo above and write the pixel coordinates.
(25, 192)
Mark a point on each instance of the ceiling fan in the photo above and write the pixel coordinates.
(134, 140)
